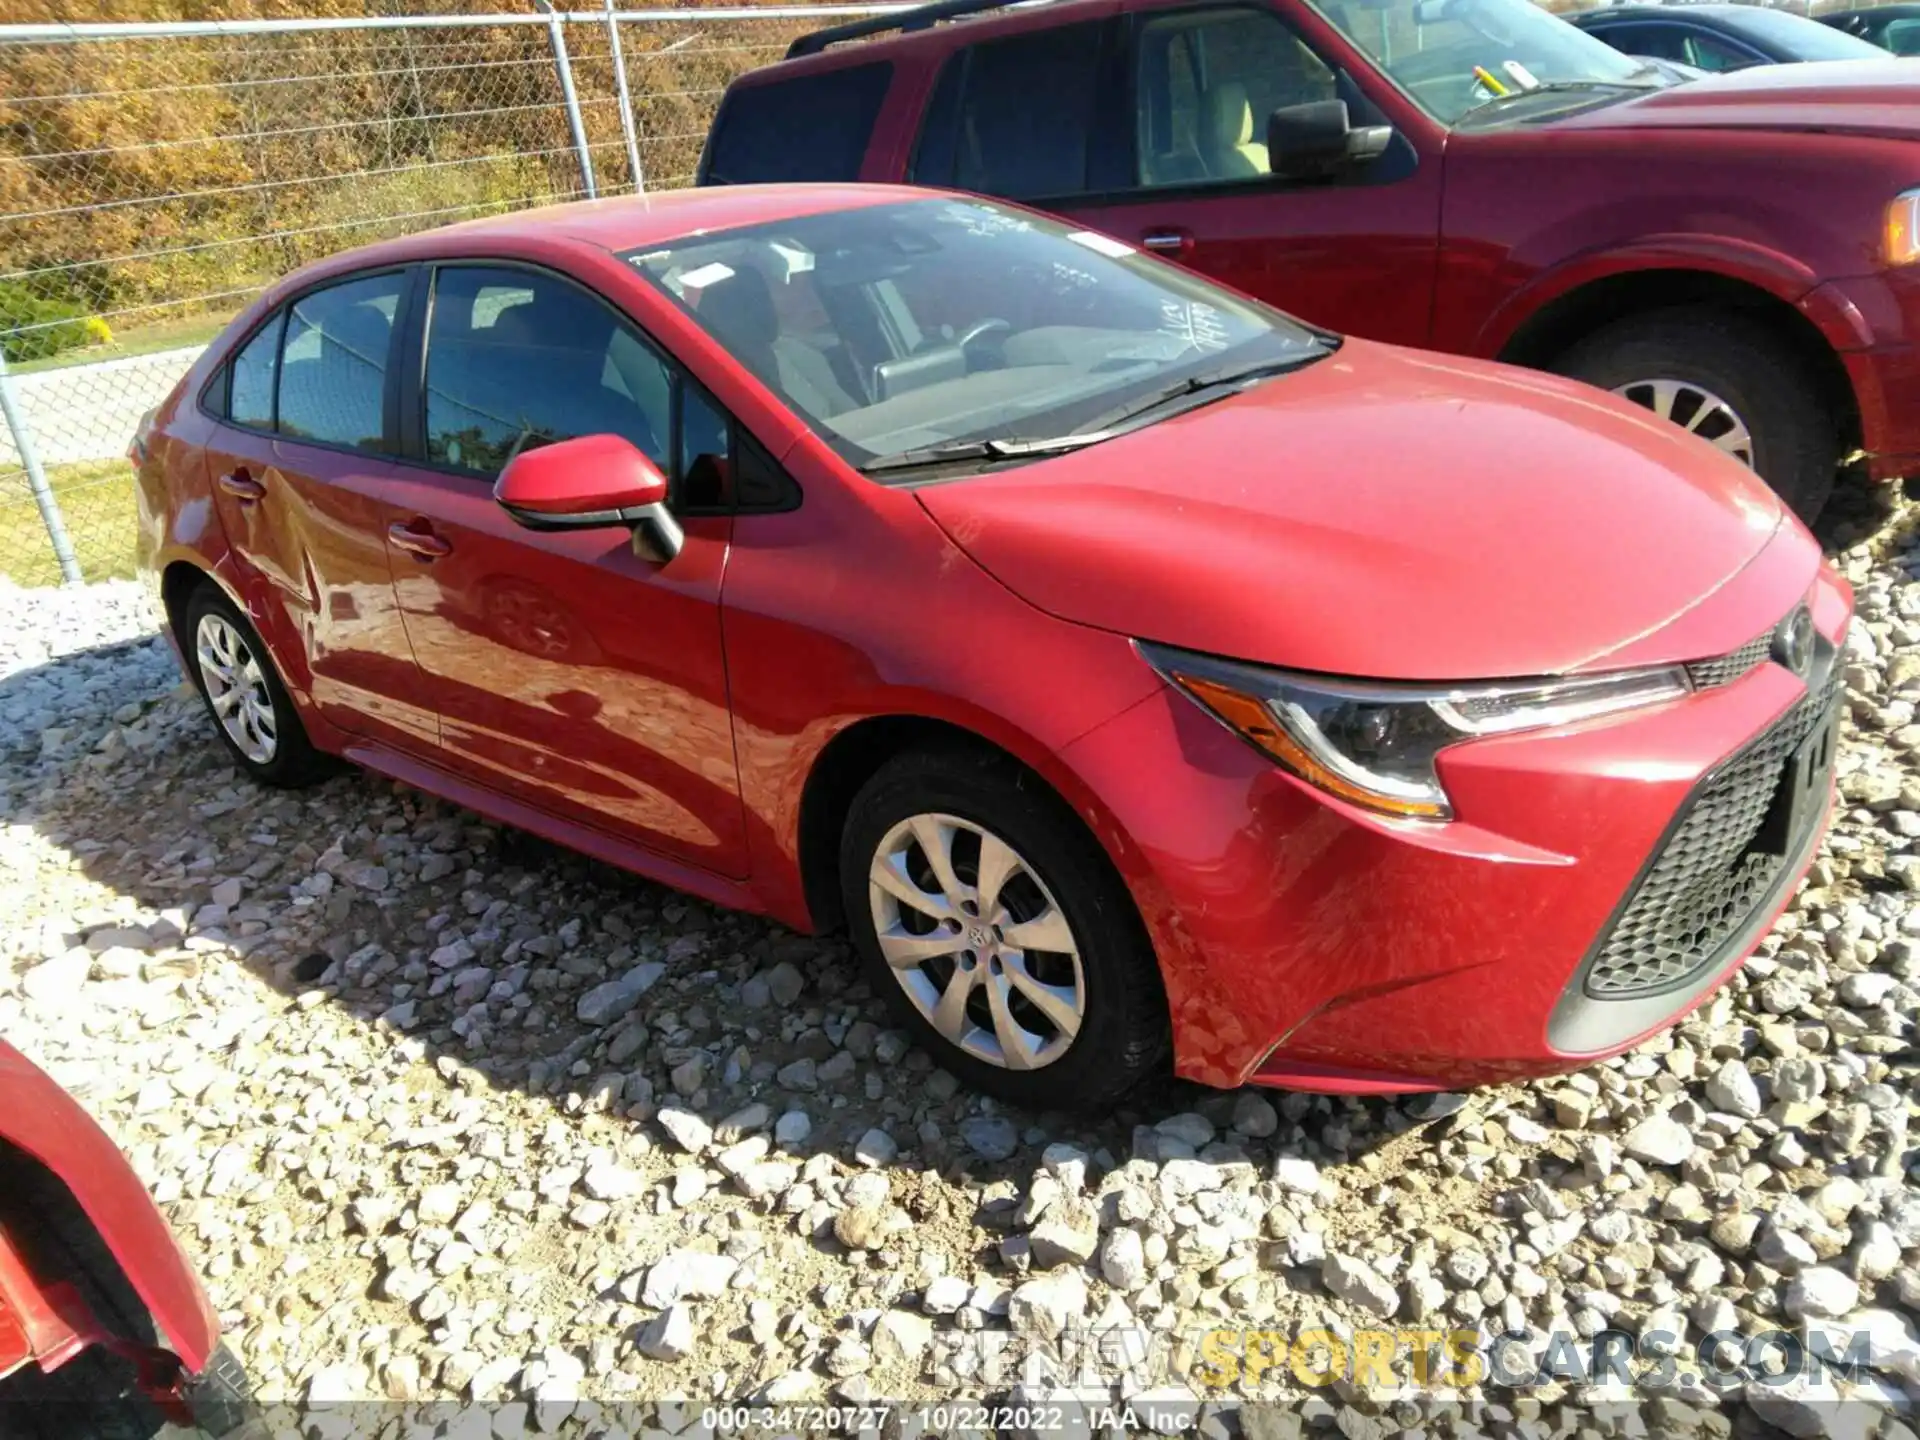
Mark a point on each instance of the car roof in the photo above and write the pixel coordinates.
(937, 37)
(628, 222)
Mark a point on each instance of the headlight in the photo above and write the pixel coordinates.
(1903, 228)
(1375, 744)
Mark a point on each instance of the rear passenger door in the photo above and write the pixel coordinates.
(302, 464)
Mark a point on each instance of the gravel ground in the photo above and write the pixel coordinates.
(443, 1113)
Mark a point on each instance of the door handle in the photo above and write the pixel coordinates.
(1168, 242)
(242, 486)
(423, 543)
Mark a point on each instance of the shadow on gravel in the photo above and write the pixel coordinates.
(511, 964)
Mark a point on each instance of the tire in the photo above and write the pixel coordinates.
(95, 1395)
(966, 798)
(1796, 443)
(288, 761)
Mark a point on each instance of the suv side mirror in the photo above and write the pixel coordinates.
(1315, 140)
(589, 483)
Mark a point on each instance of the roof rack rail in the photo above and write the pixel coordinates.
(921, 17)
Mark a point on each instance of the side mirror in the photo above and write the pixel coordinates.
(592, 482)
(1315, 140)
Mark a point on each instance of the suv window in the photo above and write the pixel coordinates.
(333, 363)
(815, 127)
(517, 359)
(1014, 117)
(1207, 82)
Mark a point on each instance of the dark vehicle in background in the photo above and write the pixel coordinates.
(1721, 37)
(105, 1333)
(1891, 27)
(1474, 176)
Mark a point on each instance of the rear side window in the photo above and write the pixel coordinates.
(815, 127)
(333, 364)
(255, 369)
(1013, 117)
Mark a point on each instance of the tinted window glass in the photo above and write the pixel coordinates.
(1711, 52)
(812, 128)
(516, 359)
(1800, 37)
(1026, 112)
(1207, 83)
(1662, 42)
(333, 365)
(894, 327)
(255, 368)
(706, 450)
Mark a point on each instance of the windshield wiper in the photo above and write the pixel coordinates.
(1102, 427)
(1551, 87)
(1224, 378)
(949, 451)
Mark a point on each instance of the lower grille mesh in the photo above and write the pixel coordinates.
(1710, 876)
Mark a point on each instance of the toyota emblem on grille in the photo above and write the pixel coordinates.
(1793, 642)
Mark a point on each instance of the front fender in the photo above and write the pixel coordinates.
(1731, 258)
(43, 1121)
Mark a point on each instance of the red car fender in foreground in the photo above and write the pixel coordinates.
(43, 1319)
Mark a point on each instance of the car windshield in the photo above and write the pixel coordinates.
(898, 328)
(1457, 56)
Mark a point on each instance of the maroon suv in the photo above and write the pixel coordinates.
(1734, 252)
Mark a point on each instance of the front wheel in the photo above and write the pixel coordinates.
(1728, 378)
(249, 705)
(999, 932)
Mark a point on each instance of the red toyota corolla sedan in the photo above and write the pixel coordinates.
(1133, 670)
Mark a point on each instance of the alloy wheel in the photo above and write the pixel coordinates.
(977, 941)
(236, 688)
(1694, 408)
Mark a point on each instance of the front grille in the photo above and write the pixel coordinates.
(1725, 669)
(1715, 867)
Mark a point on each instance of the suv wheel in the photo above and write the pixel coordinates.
(249, 704)
(1000, 933)
(1729, 379)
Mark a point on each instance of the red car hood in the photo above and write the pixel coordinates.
(1396, 514)
(1863, 97)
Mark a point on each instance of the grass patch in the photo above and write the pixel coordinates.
(96, 501)
(134, 340)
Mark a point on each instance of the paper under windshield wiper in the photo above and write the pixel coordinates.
(1553, 87)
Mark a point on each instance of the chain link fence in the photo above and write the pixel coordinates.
(154, 177)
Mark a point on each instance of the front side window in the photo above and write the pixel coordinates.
(333, 363)
(815, 127)
(1486, 57)
(1206, 83)
(1707, 51)
(517, 359)
(1015, 116)
(901, 326)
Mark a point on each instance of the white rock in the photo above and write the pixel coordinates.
(1358, 1283)
(687, 1275)
(1123, 1259)
(686, 1129)
(1043, 1308)
(1731, 1088)
(606, 1003)
(1660, 1140)
(668, 1335)
(1820, 1291)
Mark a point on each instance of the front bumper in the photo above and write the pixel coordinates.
(1308, 944)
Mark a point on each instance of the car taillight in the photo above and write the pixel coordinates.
(137, 450)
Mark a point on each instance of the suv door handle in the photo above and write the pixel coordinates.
(423, 543)
(242, 486)
(1168, 242)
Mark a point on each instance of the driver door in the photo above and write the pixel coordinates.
(1357, 253)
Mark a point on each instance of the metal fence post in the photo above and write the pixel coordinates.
(626, 102)
(37, 479)
(556, 32)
